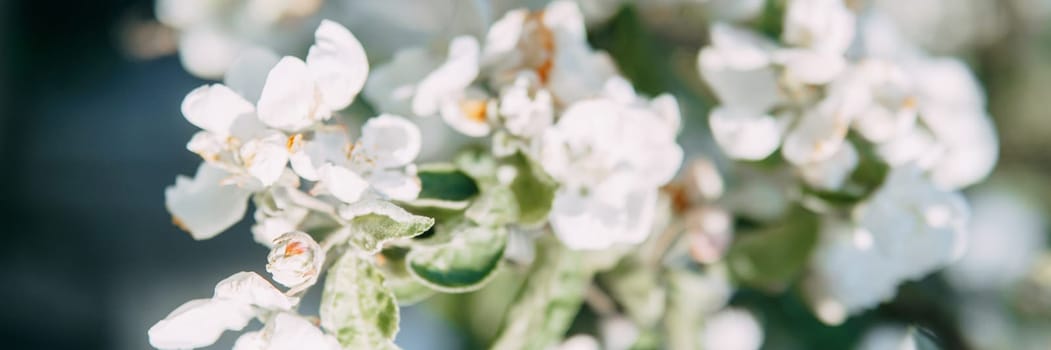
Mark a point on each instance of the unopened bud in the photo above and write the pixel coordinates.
(295, 259)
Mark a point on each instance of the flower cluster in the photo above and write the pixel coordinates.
(842, 90)
(290, 152)
(536, 87)
(847, 147)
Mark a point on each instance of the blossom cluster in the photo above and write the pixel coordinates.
(535, 89)
(840, 89)
(862, 143)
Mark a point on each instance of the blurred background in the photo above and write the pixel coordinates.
(91, 134)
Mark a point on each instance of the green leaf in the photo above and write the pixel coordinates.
(477, 163)
(356, 305)
(773, 257)
(374, 222)
(548, 302)
(534, 190)
(636, 288)
(443, 181)
(407, 290)
(497, 206)
(465, 259)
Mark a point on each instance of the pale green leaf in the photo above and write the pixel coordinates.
(407, 290)
(465, 258)
(356, 305)
(374, 222)
(477, 163)
(534, 190)
(548, 302)
(773, 257)
(496, 206)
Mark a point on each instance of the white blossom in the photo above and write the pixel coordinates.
(199, 323)
(831, 173)
(299, 94)
(742, 134)
(550, 43)
(732, 329)
(205, 205)
(610, 159)
(904, 231)
(917, 225)
(820, 25)
(287, 331)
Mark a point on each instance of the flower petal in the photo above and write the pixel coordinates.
(450, 79)
(743, 135)
(204, 206)
(199, 323)
(469, 114)
(338, 64)
(396, 185)
(390, 141)
(290, 100)
(292, 332)
(249, 288)
(265, 158)
(214, 108)
(831, 173)
(342, 183)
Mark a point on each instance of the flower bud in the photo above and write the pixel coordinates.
(295, 259)
(710, 231)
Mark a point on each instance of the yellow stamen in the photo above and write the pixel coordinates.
(475, 110)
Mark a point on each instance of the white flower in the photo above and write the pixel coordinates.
(891, 105)
(200, 322)
(205, 205)
(447, 83)
(850, 273)
(287, 331)
(821, 25)
(742, 134)
(917, 225)
(905, 230)
(215, 108)
(831, 173)
(526, 113)
(738, 68)
(808, 66)
(732, 329)
(286, 211)
(821, 130)
(295, 260)
(710, 232)
(609, 158)
(952, 106)
(380, 160)
(298, 94)
(550, 43)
